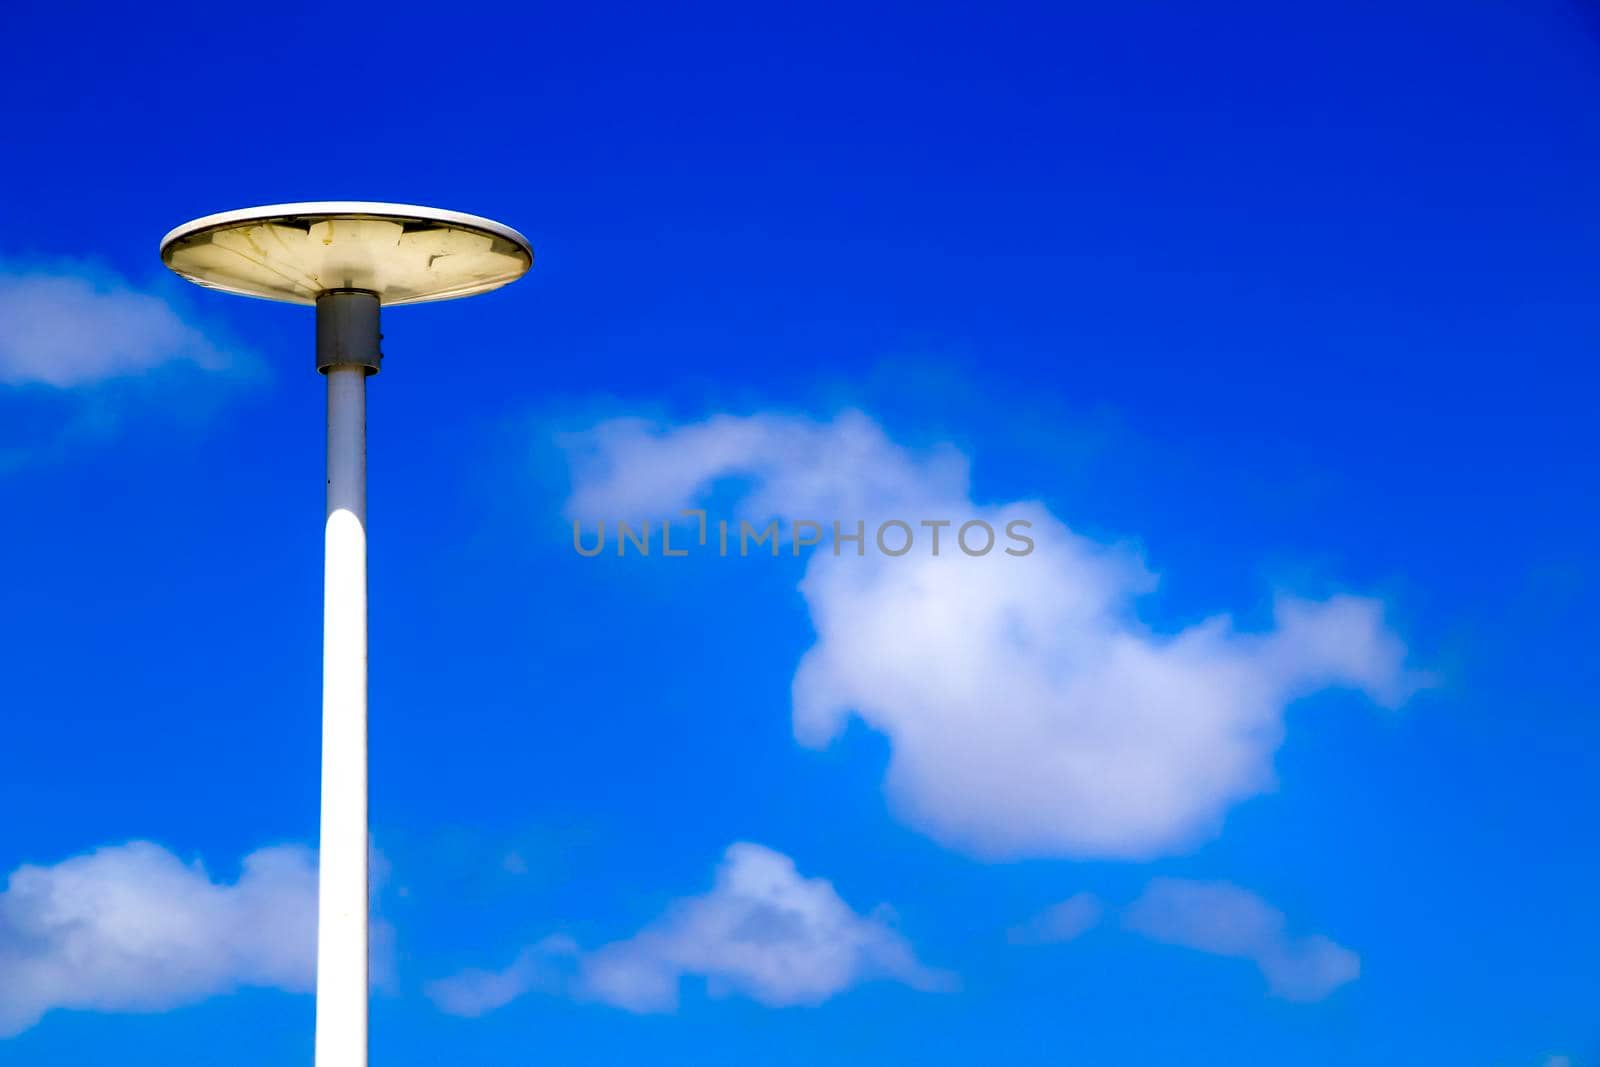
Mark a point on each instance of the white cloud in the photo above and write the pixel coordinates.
(1030, 713)
(1213, 917)
(763, 931)
(474, 991)
(133, 928)
(1070, 919)
(64, 330)
(1225, 920)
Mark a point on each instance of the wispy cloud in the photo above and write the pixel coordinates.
(1029, 712)
(475, 991)
(763, 931)
(132, 928)
(1225, 920)
(66, 329)
(1213, 917)
(1071, 918)
(83, 351)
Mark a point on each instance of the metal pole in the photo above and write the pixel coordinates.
(347, 351)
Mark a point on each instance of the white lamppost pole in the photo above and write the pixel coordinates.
(348, 259)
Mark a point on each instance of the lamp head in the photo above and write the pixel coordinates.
(402, 253)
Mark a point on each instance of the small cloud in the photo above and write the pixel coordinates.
(132, 928)
(474, 992)
(1071, 918)
(82, 348)
(1213, 917)
(763, 931)
(1225, 920)
(65, 330)
(513, 863)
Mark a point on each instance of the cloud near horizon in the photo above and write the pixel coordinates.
(1029, 712)
(132, 928)
(763, 931)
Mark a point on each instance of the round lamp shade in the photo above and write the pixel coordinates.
(295, 252)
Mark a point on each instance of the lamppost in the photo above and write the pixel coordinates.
(348, 259)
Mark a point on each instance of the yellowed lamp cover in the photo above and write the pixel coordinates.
(294, 252)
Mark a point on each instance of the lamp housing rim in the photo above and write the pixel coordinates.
(322, 210)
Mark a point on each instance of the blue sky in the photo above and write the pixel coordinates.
(1278, 322)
